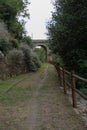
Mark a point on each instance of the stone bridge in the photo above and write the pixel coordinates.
(43, 43)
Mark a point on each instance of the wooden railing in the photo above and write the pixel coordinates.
(62, 77)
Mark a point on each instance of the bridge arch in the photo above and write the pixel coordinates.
(45, 50)
(43, 44)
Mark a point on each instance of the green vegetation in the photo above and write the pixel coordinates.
(18, 94)
(5, 85)
(4, 46)
(18, 91)
(41, 54)
(43, 66)
(10, 13)
(84, 91)
(27, 40)
(30, 59)
(10, 10)
(67, 32)
(12, 96)
(14, 43)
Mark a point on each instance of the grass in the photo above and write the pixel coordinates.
(17, 93)
(43, 66)
(4, 85)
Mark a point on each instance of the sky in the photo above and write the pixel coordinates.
(40, 13)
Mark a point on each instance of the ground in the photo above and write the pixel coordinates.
(38, 103)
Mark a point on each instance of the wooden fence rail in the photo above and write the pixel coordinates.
(62, 77)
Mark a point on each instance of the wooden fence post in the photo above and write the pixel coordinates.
(60, 76)
(73, 84)
(58, 71)
(64, 81)
(57, 68)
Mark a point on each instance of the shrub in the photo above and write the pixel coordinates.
(4, 46)
(27, 40)
(30, 60)
(14, 43)
(36, 60)
(27, 55)
(4, 34)
(15, 61)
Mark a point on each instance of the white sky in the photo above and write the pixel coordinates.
(40, 12)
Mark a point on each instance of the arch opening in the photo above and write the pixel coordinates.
(41, 51)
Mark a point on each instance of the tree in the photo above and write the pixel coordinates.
(68, 32)
(27, 40)
(10, 10)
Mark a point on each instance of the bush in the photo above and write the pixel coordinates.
(15, 62)
(36, 60)
(14, 43)
(4, 46)
(27, 40)
(30, 60)
(58, 59)
(22, 60)
(4, 34)
(27, 55)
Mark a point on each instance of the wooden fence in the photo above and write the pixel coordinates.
(62, 77)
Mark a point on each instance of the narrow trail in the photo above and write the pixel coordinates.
(47, 108)
(32, 120)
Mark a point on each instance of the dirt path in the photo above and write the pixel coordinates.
(32, 121)
(47, 109)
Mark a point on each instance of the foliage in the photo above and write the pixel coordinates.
(36, 60)
(58, 59)
(4, 46)
(41, 54)
(84, 91)
(12, 21)
(10, 10)
(17, 29)
(67, 33)
(12, 97)
(15, 61)
(29, 58)
(27, 40)
(4, 34)
(14, 43)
